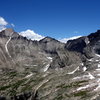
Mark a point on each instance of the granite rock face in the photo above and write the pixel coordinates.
(48, 69)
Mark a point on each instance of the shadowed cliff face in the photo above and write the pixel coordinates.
(48, 69)
(87, 45)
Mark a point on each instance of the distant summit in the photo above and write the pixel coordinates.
(48, 39)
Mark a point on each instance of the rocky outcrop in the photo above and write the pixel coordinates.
(77, 45)
(50, 45)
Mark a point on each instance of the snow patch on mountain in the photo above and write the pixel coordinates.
(98, 69)
(97, 55)
(85, 87)
(98, 65)
(91, 76)
(84, 68)
(49, 59)
(74, 70)
(7, 47)
(46, 68)
(29, 75)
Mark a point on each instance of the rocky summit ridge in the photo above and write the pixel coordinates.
(48, 69)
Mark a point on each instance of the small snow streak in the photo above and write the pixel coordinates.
(82, 64)
(98, 74)
(85, 87)
(97, 55)
(29, 75)
(98, 81)
(90, 59)
(97, 69)
(98, 65)
(49, 59)
(91, 76)
(77, 78)
(46, 68)
(74, 70)
(84, 68)
(7, 47)
(88, 42)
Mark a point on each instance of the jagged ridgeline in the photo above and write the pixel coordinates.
(48, 69)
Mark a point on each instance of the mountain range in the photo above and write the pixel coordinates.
(48, 69)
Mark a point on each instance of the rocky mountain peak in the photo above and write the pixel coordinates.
(93, 37)
(77, 44)
(48, 39)
(7, 32)
(98, 31)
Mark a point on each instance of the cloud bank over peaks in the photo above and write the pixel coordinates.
(30, 34)
(64, 40)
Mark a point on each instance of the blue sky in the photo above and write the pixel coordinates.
(54, 18)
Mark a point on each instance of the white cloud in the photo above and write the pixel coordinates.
(12, 25)
(64, 40)
(2, 28)
(2, 21)
(30, 34)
